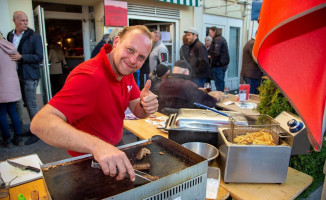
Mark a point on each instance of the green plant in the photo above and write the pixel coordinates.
(312, 164)
(272, 103)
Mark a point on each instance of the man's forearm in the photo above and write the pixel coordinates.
(54, 130)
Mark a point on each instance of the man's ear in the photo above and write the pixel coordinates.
(116, 41)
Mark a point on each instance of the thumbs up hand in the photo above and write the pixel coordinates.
(148, 100)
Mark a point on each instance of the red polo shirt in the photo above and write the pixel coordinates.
(94, 101)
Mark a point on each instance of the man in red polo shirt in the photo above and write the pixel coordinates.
(86, 116)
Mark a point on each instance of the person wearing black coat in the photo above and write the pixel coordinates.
(98, 47)
(198, 59)
(219, 55)
(250, 72)
(29, 56)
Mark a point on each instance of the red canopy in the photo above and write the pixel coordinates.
(290, 48)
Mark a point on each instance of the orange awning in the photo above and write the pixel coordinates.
(290, 48)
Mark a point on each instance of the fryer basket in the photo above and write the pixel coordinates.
(256, 123)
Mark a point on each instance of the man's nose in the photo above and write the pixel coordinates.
(133, 59)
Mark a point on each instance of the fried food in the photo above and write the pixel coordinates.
(261, 137)
(142, 152)
(141, 166)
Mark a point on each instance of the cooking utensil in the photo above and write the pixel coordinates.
(179, 170)
(214, 110)
(23, 167)
(140, 174)
(205, 150)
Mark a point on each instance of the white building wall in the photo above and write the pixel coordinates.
(5, 25)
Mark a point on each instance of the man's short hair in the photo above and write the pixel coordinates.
(16, 13)
(183, 64)
(105, 36)
(127, 29)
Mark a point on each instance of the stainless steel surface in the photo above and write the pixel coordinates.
(252, 163)
(298, 140)
(23, 167)
(200, 120)
(180, 171)
(203, 149)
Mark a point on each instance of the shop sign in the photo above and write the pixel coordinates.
(115, 13)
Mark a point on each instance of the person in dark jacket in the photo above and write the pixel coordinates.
(219, 55)
(198, 59)
(178, 91)
(98, 47)
(29, 56)
(250, 71)
(184, 50)
(159, 75)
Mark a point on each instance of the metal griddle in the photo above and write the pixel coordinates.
(75, 178)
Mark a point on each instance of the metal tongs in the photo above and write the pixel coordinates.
(138, 173)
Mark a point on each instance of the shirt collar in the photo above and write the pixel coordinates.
(14, 32)
(107, 48)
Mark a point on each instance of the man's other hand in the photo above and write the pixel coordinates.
(148, 100)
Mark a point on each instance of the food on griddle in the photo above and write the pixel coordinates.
(141, 166)
(142, 152)
(150, 177)
(261, 137)
(161, 153)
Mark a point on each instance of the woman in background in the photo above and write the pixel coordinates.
(9, 94)
(57, 61)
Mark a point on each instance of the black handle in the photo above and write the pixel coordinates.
(32, 169)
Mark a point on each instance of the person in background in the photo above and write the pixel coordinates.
(184, 50)
(208, 42)
(159, 53)
(74, 121)
(9, 94)
(159, 75)
(250, 71)
(29, 56)
(105, 40)
(57, 62)
(198, 58)
(144, 72)
(178, 91)
(219, 55)
(114, 33)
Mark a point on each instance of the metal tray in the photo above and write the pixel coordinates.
(75, 178)
(201, 120)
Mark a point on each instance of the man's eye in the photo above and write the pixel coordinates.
(141, 57)
(131, 50)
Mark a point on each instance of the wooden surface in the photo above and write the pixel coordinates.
(234, 107)
(222, 193)
(27, 188)
(296, 183)
(142, 129)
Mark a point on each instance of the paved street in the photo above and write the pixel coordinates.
(46, 152)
